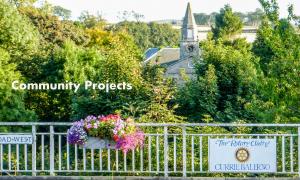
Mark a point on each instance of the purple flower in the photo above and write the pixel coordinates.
(77, 134)
(124, 132)
(89, 126)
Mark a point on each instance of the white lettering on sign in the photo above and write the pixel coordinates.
(15, 139)
(242, 155)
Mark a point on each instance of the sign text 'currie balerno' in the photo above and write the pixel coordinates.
(15, 139)
(242, 155)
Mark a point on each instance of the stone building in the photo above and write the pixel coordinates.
(179, 60)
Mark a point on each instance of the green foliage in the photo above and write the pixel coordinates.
(278, 46)
(248, 19)
(17, 35)
(20, 3)
(49, 105)
(106, 60)
(225, 96)
(88, 20)
(271, 9)
(253, 18)
(54, 32)
(227, 24)
(198, 99)
(232, 84)
(12, 107)
(293, 17)
(62, 12)
(148, 35)
(160, 108)
(205, 19)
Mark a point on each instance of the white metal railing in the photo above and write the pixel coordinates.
(169, 150)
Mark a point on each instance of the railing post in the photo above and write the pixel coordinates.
(33, 153)
(183, 151)
(299, 151)
(166, 151)
(51, 151)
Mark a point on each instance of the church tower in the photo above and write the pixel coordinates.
(189, 45)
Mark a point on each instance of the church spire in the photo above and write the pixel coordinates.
(189, 19)
(189, 27)
(189, 45)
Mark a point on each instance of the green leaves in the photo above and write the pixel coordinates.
(17, 35)
(227, 24)
(278, 46)
(227, 79)
(12, 107)
(198, 99)
(150, 35)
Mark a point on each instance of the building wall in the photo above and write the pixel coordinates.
(250, 36)
(249, 32)
(175, 71)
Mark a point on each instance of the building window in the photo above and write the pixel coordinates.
(190, 34)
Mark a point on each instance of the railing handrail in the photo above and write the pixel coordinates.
(156, 124)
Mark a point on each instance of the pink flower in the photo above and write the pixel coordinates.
(131, 141)
(110, 117)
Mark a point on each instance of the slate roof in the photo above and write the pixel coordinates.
(164, 56)
(150, 52)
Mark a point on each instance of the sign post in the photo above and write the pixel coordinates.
(242, 155)
(16, 139)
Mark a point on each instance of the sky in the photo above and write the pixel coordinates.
(162, 9)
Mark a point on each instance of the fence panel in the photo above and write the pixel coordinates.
(169, 150)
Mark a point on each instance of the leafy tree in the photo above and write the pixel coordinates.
(20, 3)
(160, 108)
(226, 77)
(293, 17)
(59, 11)
(49, 105)
(12, 107)
(88, 20)
(278, 46)
(249, 18)
(198, 98)
(109, 58)
(254, 18)
(17, 35)
(204, 19)
(138, 16)
(148, 35)
(237, 76)
(271, 9)
(54, 32)
(227, 24)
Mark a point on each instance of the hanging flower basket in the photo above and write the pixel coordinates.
(106, 132)
(97, 143)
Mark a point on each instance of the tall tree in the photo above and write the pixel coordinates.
(149, 35)
(42, 67)
(17, 34)
(198, 98)
(92, 21)
(12, 106)
(237, 76)
(278, 46)
(59, 11)
(227, 24)
(109, 58)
